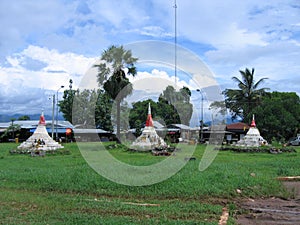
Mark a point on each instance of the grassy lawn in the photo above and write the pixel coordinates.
(63, 189)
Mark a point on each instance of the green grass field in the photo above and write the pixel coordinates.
(63, 189)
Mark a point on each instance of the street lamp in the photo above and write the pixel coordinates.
(201, 121)
(62, 86)
(53, 108)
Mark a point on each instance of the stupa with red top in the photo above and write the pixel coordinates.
(253, 137)
(40, 139)
(149, 139)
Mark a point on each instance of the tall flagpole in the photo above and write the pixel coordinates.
(175, 40)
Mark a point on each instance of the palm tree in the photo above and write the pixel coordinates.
(243, 100)
(116, 63)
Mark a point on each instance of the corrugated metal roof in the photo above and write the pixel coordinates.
(49, 130)
(89, 131)
(157, 124)
(29, 124)
(180, 126)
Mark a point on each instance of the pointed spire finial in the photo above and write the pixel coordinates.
(149, 109)
(253, 124)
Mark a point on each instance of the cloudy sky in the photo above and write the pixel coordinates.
(43, 44)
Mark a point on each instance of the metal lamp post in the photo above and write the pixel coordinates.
(57, 110)
(201, 121)
(53, 108)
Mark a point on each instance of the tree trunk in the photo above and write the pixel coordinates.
(118, 121)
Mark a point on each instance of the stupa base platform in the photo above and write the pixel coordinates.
(148, 141)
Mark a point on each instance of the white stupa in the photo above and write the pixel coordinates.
(149, 139)
(40, 139)
(252, 138)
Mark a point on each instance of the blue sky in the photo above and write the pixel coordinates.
(43, 44)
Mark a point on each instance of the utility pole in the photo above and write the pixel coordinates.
(175, 40)
(201, 121)
(62, 86)
(53, 108)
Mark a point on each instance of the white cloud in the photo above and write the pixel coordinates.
(68, 62)
(156, 81)
(154, 31)
(58, 69)
(22, 87)
(14, 62)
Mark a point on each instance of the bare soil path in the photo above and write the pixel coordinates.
(272, 211)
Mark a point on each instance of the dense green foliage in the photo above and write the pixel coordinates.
(84, 105)
(175, 106)
(88, 108)
(138, 113)
(243, 100)
(63, 189)
(25, 117)
(278, 115)
(114, 61)
(66, 105)
(103, 108)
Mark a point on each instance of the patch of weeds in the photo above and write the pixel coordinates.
(60, 152)
(117, 146)
(262, 149)
(52, 152)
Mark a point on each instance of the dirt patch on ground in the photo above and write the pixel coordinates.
(273, 210)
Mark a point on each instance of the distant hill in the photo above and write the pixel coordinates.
(7, 118)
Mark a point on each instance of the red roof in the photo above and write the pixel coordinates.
(237, 126)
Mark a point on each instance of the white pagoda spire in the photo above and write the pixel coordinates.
(149, 109)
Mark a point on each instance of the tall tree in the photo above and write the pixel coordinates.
(116, 63)
(175, 105)
(84, 107)
(66, 105)
(167, 111)
(183, 105)
(243, 100)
